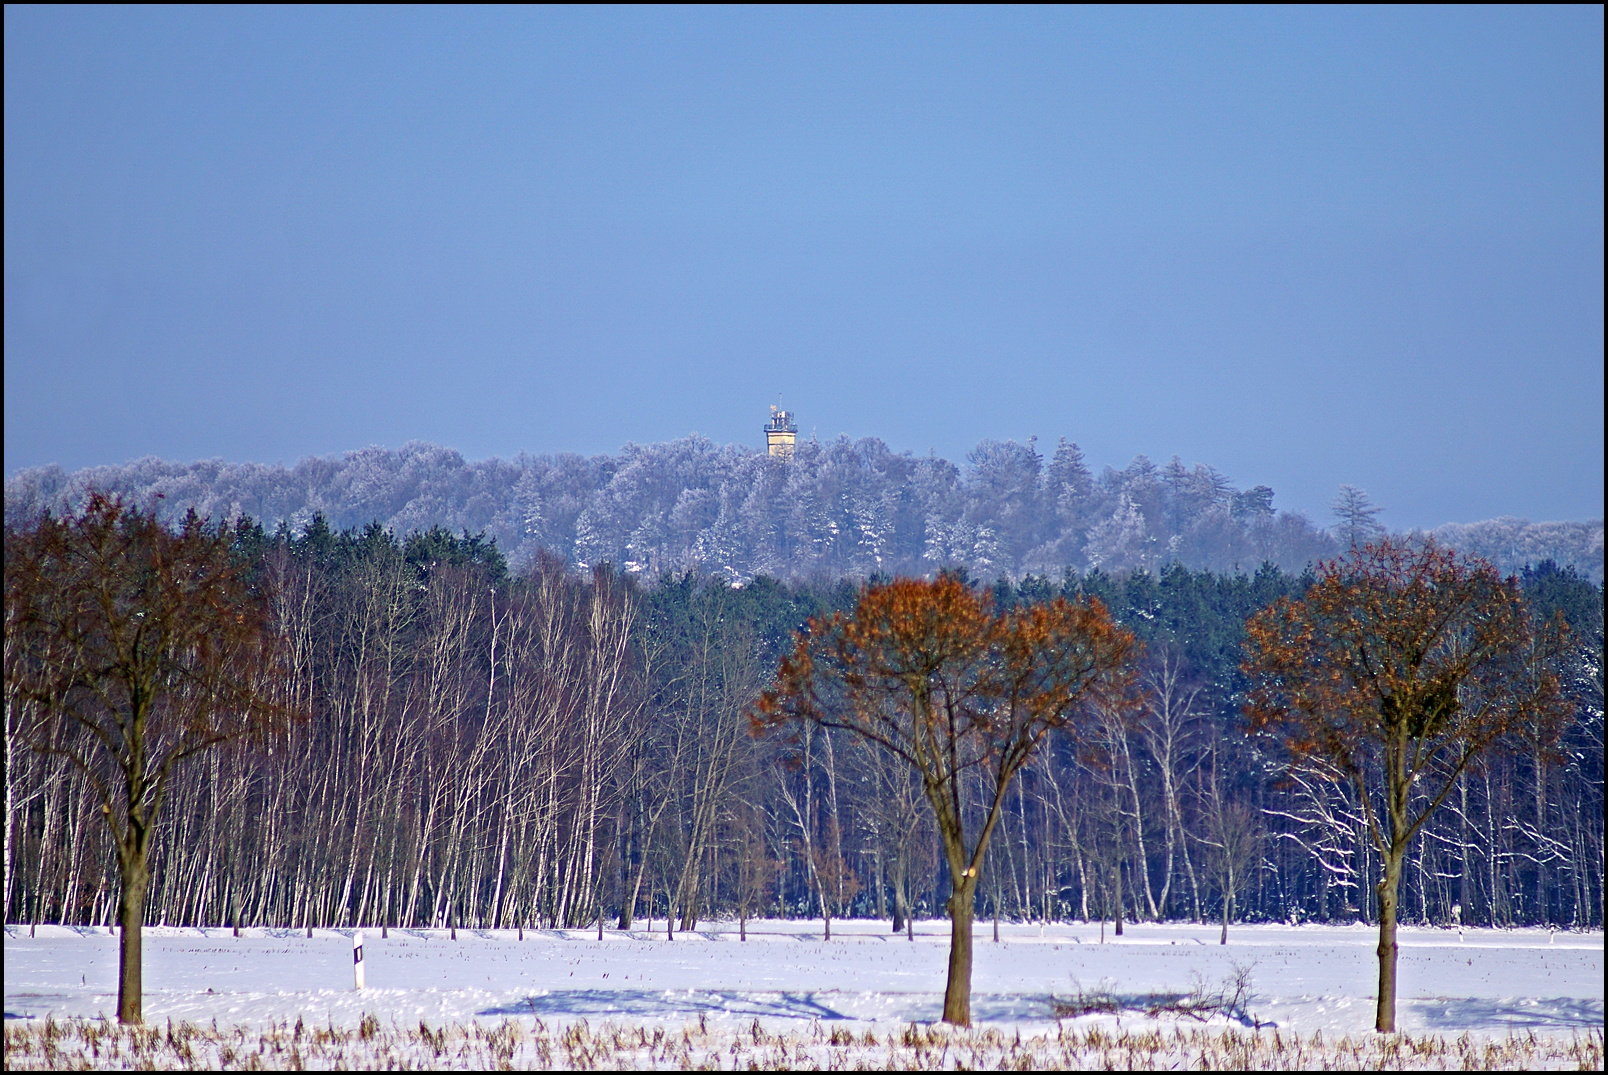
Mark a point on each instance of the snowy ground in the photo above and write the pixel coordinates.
(1490, 984)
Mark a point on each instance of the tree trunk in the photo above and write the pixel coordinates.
(1465, 885)
(1543, 908)
(628, 908)
(1385, 1018)
(957, 992)
(131, 917)
(1223, 938)
(1118, 872)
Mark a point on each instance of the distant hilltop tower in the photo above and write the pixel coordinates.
(781, 435)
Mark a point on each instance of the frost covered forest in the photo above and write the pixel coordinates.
(842, 508)
(553, 745)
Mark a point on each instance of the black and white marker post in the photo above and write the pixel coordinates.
(357, 960)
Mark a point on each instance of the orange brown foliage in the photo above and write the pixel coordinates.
(931, 673)
(1401, 665)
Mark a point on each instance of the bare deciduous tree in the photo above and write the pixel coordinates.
(139, 648)
(1234, 840)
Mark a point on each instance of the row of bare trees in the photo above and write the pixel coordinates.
(573, 750)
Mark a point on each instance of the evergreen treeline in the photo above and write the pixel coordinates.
(840, 508)
(538, 747)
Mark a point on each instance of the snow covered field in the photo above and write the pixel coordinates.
(1488, 984)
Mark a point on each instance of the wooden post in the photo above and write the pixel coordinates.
(357, 960)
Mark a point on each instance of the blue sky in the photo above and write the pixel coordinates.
(1305, 246)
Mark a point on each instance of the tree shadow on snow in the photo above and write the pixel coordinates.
(1538, 1013)
(897, 1007)
(651, 1002)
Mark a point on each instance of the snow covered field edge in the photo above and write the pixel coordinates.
(1521, 998)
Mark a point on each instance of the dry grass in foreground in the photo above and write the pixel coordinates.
(81, 1044)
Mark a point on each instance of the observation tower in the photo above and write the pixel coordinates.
(781, 434)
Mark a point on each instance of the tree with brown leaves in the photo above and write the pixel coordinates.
(130, 648)
(930, 673)
(1401, 665)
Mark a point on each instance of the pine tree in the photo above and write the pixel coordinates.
(1355, 512)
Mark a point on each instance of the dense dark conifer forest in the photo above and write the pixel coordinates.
(548, 745)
